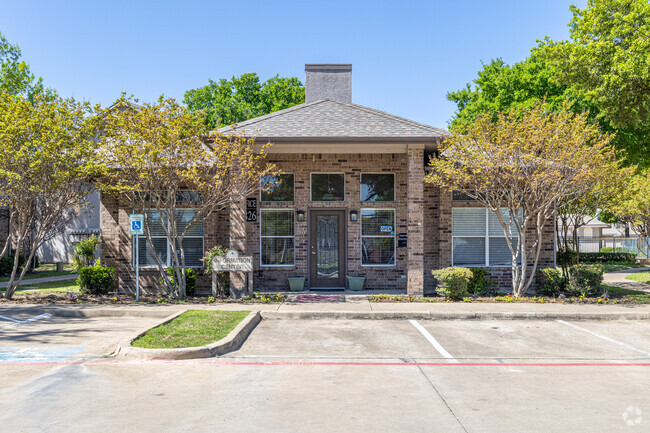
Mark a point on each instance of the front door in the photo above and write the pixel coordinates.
(327, 248)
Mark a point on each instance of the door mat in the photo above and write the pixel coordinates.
(319, 298)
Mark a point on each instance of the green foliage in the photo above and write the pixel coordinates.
(240, 98)
(190, 280)
(585, 280)
(84, 252)
(550, 282)
(606, 58)
(481, 283)
(7, 263)
(602, 68)
(607, 257)
(15, 75)
(453, 282)
(96, 280)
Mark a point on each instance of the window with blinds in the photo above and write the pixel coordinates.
(378, 237)
(277, 236)
(192, 243)
(478, 237)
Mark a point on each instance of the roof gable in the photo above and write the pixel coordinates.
(333, 119)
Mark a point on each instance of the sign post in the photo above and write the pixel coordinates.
(136, 228)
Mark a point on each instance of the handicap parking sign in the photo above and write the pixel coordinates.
(135, 224)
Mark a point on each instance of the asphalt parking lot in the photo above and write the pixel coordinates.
(333, 376)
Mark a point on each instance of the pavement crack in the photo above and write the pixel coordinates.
(441, 397)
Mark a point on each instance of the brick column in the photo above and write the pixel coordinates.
(415, 217)
(238, 243)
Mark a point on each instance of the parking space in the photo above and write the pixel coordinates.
(36, 337)
(337, 375)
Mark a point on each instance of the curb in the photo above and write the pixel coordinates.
(107, 312)
(431, 315)
(232, 341)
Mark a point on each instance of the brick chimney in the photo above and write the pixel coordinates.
(328, 81)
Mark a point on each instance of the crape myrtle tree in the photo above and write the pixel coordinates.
(158, 159)
(46, 163)
(518, 166)
(633, 206)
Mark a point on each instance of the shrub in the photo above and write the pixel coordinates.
(453, 282)
(567, 257)
(550, 282)
(607, 257)
(96, 280)
(190, 280)
(7, 264)
(84, 252)
(481, 282)
(585, 279)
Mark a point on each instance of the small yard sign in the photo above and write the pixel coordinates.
(136, 224)
(232, 262)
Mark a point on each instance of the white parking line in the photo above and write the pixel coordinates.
(9, 319)
(22, 322)
(604, 338)
(432, 340)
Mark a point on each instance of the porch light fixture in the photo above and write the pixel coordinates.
(353, 215)
(300, 215)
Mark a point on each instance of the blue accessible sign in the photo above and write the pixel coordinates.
(136, 224)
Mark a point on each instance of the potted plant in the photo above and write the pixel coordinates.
(296, 284)
(355, 283)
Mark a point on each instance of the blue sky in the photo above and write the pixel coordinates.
(405, 55)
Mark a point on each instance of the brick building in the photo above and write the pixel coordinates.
(352, 202)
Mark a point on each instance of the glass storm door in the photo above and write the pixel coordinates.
(327, 249)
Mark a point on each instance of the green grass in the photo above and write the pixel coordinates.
(51, 287)
(642, 277)
(43, 271)
(616, 266)
(634, 295)
(190, 329)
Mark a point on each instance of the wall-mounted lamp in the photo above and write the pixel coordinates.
(300, 215)
(353, 215)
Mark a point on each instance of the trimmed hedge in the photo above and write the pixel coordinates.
(7, 263)
(607, 257)
(96, 280)
(481, 282)
(190, 280)
(453, 282)
(550, 282)
(586, 280)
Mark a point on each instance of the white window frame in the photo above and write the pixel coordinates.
(288, 201)
(487, 237)
(311, 183)
(379, 172)
(275, 209)
(378, 236)
(167, 264)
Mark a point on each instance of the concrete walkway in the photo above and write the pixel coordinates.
(618, 279)
(26, 283)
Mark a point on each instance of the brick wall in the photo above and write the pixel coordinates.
(302, 165)
(502, 275)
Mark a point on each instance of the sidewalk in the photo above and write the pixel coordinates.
(618, 279)
(358, 307)
(27, 283)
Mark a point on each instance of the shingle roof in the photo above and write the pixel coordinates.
(329, 118)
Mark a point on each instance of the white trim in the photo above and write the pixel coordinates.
(276, 209)
(311, 182)
(283, 201)
(378, 172)
(361, 236)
